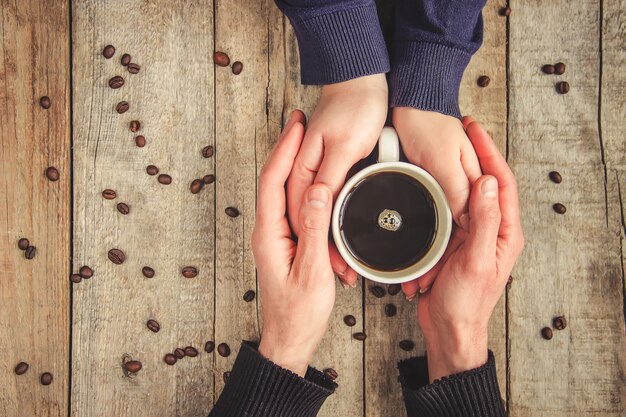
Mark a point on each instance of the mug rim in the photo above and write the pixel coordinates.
(442, 235)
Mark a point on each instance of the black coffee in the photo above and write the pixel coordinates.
(388, 221)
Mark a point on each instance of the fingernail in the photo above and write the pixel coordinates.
(489, 187)
(317, 197)
(353, 285)
(411, 297)
(423, 290)
(344, 285)
(464, 221)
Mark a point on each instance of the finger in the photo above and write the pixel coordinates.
(314, 224)
(410, 289)
(484, 223)
(345, 274)
(470, 163)
(455, 185)
(466, 120)
(335, 165)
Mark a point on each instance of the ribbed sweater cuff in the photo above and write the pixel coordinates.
(341, 45)
(472, 393)
(259, 388)
(427, 76)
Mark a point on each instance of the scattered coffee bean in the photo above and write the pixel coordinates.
(147, 272)
(21, 368)
(207, 151)
(196, 186)
(85, 272)
(179, 353)
(209, 346)
(394, 289)
(30, 252)
(483, 81)
(237, 67)
(330, 374)
(548, 69)
(349, 320)
(559, 322)
(152, 170)
(546, 333)
(116, 82)
(377, 291)
(208, 179)
(52, 173)
(123, 208)
(406, 345)
(223, 349)
(108, 51)
(153, 325)
(562, 87)
(191, 351)
(359, 336)
(76, 278)
(125, 59)
(189, 271)
(248, 296)
(555, 176)
(133, 366)
(117, 256)
(170, 359)
(232, 211)
(559, 208)
(133, 68)
(140, 141)
(505, 11)
(165, 179)
(135, 125)
(559, 68)
(390, 310)
(221, 59)
(109, 194)
(46, 378)
(226, 376)
(45, 102)
(23, 243)
(122, 107)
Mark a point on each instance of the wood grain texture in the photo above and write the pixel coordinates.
(571, 265)
(34, 294)
(167, 227)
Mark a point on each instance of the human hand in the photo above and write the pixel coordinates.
(343, 129)
(296, 280)
(471, 276)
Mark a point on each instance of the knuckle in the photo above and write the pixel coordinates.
(312, 225)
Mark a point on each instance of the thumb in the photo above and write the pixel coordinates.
(484, 220)
(334, 168)
(315, 215)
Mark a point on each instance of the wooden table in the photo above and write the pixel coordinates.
(573, 264)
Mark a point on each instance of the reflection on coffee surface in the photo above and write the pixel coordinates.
(388, 221)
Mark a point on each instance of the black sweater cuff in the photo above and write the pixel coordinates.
(473, 393)
(258, 387)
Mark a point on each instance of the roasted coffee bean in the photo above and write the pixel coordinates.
(170, 359)
(30, 252)
(117, 256)
(562, 87)
(179, 353)
(76, 278)
(165, 179)
(23, 243)
(248, 296)
(116, 82)
(125, 59)
(555, 176)
(548, 69)
(221, 59)
(505, 11)
(223, 349)
(237, 67)
(52, 173)
(191, 351)
(394, 289)
(209, 346)
(208, 179)
(153, 325)
(207, 151)
(483, 81)
(147, 272)
(45, 102)
(123, 208)
(359, 336)
(232, 211)
(390, 310)
(46, 378)
(559, 208)
(226, 376)
(135, 125)
(406, 345)
(108, 51)
(133, 366)
(559, 322)
(546, 333)
(21, 368)
(196, 186)
(122, 107)
(109, 194)
(559, 68)
(189, 271)
(133, 68)
(152, 170)
(349, 320)
(377, 291)
(140, 141)
(330, 374)
(85, 272)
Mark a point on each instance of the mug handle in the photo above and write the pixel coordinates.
(388, 145)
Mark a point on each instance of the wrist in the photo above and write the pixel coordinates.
(291, 357)
(375, 83)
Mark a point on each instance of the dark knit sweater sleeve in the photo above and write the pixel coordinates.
(259, 388)
(338, 40)
(432, 44)
(473, 393)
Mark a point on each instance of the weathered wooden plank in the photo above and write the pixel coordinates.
(167, 227)
(34, 294)
(571, 264)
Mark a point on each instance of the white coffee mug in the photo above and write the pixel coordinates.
(389, 161)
